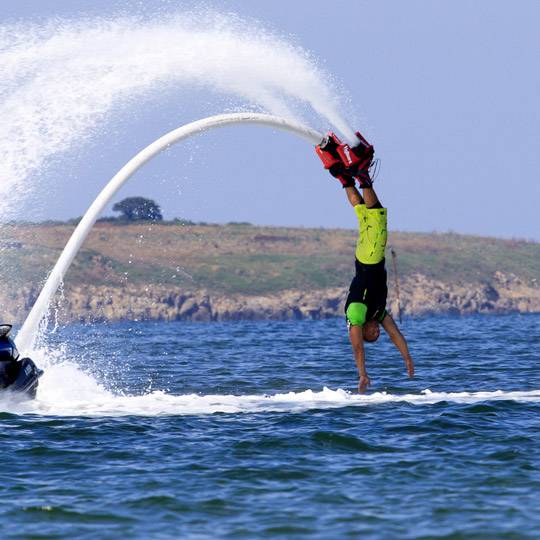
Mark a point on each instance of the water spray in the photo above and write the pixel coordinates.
(62, 82)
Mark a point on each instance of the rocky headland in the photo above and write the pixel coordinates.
(241, 272)
(419, 296)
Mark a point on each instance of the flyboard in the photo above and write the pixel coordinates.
(28, 333)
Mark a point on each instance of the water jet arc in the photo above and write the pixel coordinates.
(27, 334)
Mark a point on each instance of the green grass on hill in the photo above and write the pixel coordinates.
(241, 258)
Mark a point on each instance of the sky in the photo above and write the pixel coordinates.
(448, 93)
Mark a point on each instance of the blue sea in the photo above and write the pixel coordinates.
(255, 430)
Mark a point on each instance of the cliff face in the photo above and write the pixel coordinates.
(504, 293)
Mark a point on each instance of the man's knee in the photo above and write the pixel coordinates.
(375, 206)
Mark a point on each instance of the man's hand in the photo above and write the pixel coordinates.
(410, 366)
(364, 383)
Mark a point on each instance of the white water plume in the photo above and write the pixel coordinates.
(61, 80)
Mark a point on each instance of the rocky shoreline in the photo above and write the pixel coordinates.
(420, 296)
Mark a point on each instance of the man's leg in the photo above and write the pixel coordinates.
(354, 196)
(370, 197)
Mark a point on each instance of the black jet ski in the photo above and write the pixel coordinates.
(17, 375)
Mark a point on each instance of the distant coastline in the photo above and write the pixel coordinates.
(179, 271)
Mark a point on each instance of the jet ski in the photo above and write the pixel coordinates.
(20, 376)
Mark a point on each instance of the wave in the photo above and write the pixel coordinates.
(67, 391)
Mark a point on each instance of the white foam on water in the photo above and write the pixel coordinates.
(61, 79)
(66, 390)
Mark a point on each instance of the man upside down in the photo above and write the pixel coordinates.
(365, 308)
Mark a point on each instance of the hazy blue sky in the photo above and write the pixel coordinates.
(448, 92)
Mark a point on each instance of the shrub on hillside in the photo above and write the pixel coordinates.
(138, 209)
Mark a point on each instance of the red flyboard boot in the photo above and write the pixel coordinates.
(327, 152)
(358, 159)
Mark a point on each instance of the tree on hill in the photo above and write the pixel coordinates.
(138, 209)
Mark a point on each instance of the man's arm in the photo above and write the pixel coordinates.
(399, 341)
(357, 342)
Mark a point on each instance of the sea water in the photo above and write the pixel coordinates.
(254, 430)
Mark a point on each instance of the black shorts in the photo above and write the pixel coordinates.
(369, 287)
